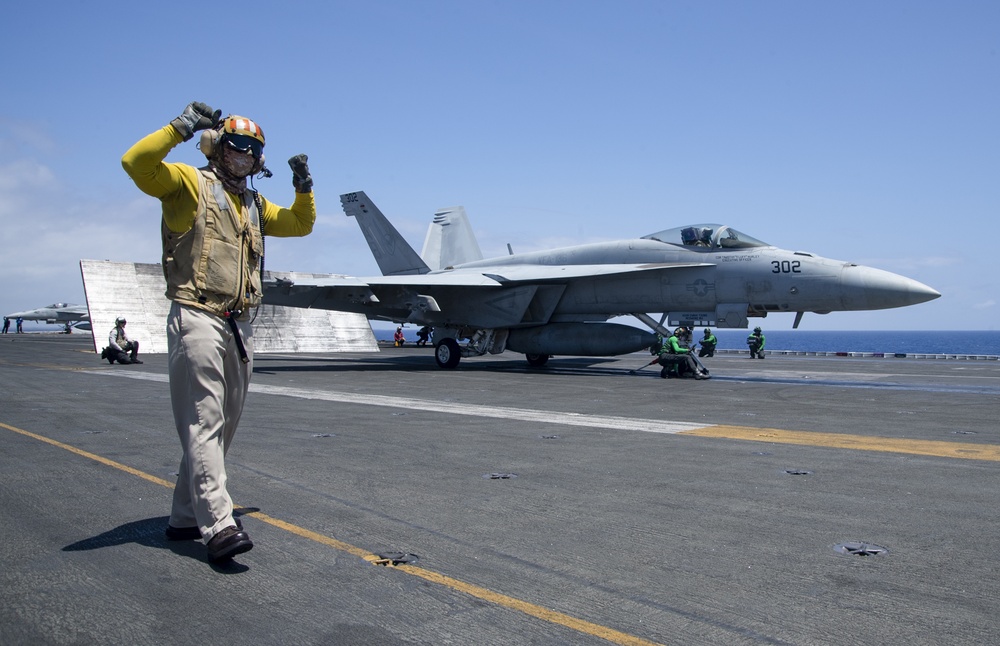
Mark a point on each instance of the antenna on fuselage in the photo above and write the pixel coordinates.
(510, 251)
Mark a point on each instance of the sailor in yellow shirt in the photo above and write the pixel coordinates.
(212, 233)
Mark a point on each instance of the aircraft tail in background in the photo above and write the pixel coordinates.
(450, 240)
(395, 257)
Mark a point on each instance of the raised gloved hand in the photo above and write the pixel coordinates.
(196, 116)
(301, 179)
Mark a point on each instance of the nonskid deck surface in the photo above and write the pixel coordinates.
(791, 500)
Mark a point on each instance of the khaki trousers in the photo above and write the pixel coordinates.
(208, 385)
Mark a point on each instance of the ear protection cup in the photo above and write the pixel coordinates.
(209, 142)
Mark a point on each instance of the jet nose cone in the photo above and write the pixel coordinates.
(869, 288)
(920, 293)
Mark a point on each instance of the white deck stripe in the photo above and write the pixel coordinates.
(473, 410)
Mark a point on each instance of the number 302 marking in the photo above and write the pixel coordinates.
(350, 197)
(785, 267)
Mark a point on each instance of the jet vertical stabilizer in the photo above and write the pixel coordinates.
(450, 240)
(392, 253)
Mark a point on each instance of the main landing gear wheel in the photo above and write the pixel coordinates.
(537, 360)
(447, 353)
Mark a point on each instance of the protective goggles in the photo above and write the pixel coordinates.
(244, 143)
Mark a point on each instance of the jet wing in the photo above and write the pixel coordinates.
(488, 296)
(555, 273)
(496, 276)
(466, 278)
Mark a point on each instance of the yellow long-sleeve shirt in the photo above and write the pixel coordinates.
(176, 186)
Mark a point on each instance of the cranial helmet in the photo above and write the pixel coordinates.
(237, 132)
(120, 321)
(243, 134)
(757, 330)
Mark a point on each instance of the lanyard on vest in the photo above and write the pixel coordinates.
(231, 319)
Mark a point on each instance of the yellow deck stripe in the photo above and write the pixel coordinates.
(92, 456)
(934, 448)
(579, 625)
(551, 616)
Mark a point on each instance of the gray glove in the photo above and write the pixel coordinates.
(196, 116)
(301, 179)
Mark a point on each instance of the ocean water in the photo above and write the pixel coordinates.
(909, 342)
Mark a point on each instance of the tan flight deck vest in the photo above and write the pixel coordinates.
(215, 264)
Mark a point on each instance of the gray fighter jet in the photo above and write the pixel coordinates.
(66, 313)
(559, 301)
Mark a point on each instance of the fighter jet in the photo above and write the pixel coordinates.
(66, 313)
(559, 301)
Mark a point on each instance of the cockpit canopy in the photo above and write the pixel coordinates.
(706, 236)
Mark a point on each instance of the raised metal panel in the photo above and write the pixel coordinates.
(136, 291)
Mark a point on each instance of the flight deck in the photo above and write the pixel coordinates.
(795, 500)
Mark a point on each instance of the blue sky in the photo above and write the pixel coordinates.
(866, 132)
